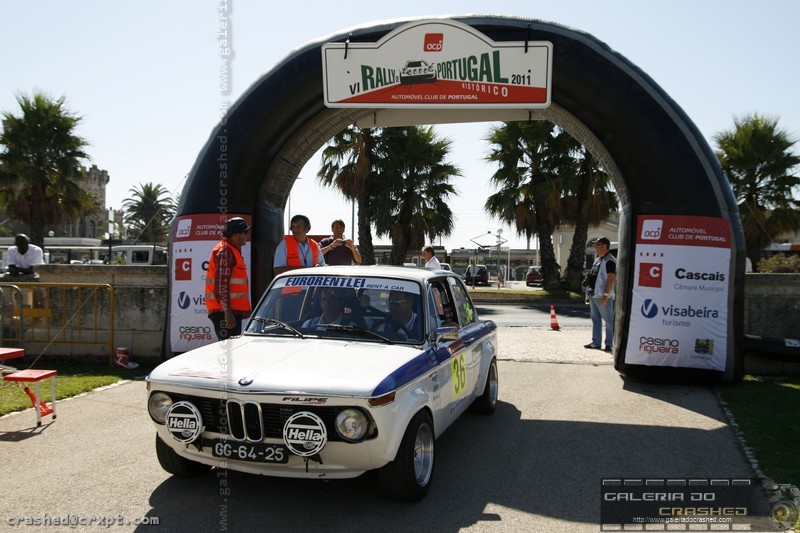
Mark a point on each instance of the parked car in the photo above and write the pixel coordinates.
(534, 276)
(476, 275)
(331, 379)
(446, 266)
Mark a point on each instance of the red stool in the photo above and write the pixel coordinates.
(31, 375)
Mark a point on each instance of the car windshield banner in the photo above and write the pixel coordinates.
(439, 64)
(679, 309)
(195, 236)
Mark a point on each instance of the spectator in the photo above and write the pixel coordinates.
(227, 290)
(337, 249)
(429, 255)
(600, 295)
(23, 256)
(297, 250)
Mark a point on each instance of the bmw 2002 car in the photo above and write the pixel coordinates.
(417, 72)
(339, 371)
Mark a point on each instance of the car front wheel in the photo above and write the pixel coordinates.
(177, 465)
(409, 476)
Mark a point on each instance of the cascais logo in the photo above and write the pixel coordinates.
(650, 274)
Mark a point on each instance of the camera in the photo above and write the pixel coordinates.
(784, 503)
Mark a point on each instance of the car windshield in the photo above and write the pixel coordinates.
(354, 307)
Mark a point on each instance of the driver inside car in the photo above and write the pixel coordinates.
(331, 306)
(404, 321)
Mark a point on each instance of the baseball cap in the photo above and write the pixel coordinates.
(236, 225)
(602, 240)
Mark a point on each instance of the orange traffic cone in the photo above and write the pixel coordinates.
(553, 320)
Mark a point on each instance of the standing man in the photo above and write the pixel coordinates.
(338, 250)
(600, 295)
(227, 290)
(297, 250)
(429, 255)
(23, 256)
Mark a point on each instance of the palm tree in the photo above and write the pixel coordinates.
(149, 212)
(589, 201)
(347, 164)
(413, 185)
(40, 168)
(757, 159)
(532, 158)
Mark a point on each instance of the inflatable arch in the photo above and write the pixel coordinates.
(662, 167)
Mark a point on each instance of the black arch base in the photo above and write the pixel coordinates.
(659, 161)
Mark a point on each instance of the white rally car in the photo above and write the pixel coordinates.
(340, 370)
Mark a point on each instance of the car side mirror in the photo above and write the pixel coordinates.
(446, 333)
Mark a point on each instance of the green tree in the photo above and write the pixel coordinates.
(347, 165)
(40, 165)
(757, 157)
(589, 200)
(413, 187)
(148, 213)
(531, 157)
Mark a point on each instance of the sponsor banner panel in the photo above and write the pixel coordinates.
(679, 309)
(195, 236)
(439, 64)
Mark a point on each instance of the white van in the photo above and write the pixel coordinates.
(139, 254)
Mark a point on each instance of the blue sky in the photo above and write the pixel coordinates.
(144, 75)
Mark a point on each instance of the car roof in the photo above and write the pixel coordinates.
(416, 274)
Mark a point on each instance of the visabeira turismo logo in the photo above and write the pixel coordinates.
(649, 308)
(434, 42)
(650, 274)
(651, 230)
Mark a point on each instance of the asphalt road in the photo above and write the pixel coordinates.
(566, 419)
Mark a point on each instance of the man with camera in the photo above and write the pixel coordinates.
(337, 249)
(599, 287)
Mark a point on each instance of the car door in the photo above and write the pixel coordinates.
(451, 353)
(472, 332)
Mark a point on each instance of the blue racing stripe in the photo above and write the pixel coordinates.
(410, 371)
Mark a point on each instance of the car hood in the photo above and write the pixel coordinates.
(281, 365)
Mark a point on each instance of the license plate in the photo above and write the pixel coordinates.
(254, 452)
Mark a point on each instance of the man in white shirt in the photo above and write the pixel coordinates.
(430, 258)
(23, 256)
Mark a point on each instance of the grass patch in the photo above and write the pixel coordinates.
(766, 411)
(71, 380)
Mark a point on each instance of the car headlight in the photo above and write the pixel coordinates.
(158, 405)
(351, 425)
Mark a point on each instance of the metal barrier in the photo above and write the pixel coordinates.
(57, 313)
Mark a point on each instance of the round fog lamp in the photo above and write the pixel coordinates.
(351, 425)
(158, 405)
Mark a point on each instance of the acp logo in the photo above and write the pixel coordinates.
(434, 42)
(183, 269)
(650, 274)
(649, 308)
(651, 230)
(184, 229)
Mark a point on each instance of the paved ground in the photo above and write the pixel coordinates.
(566, 420)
